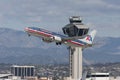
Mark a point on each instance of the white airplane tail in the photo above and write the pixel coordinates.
(90, 37)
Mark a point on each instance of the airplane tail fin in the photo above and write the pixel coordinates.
(90, 37)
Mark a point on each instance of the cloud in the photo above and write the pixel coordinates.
(116, 53)
(23, 8)
(118, 48)
(95, 12)
(112, 2)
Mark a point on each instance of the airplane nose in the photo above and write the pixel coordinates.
(26, 29)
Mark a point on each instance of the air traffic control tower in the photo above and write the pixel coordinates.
(75, 28)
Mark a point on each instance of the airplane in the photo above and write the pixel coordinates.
(48, 36)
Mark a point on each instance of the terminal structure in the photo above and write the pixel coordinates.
(23, 71)
(75, 28)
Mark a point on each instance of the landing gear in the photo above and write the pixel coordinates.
(58, 43)
(29, 35)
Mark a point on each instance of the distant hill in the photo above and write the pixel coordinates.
(107, 50)
(17, 48)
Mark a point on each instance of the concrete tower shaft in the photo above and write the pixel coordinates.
(75, 63)
(73, 29)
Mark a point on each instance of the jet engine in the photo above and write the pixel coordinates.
(47, 40)
(58, 39)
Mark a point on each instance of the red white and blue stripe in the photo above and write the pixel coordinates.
(45, 33)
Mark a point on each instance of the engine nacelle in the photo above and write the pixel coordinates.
(47, 40)
(56, 38)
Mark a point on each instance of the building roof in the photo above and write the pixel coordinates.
(99, 73)
(76, 25)
(22, 66)
(80, 26)
(5, 75)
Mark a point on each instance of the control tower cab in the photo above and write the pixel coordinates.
(76, 27)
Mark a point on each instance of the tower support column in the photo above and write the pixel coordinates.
(75, 63)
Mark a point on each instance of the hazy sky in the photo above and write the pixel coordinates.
(103, 15)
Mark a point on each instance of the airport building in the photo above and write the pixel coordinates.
(23, 71)
(98, 76)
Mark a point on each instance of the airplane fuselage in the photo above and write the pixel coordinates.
(48, 36)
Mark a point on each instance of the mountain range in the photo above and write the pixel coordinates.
(16, 47)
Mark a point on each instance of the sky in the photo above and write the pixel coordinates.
(102, 15)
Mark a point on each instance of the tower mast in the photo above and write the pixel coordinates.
(75, 28)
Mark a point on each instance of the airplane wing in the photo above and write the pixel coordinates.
(45, 33)
(48, 36)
